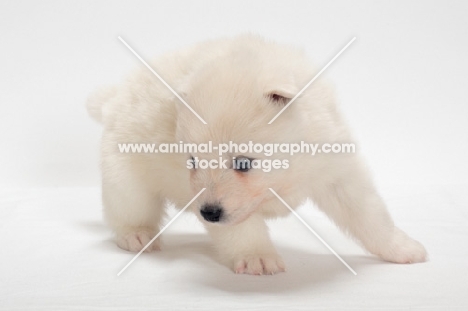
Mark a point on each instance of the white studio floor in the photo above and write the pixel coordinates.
(57, 254)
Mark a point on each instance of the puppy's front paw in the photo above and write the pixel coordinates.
(136, 241)
(403, 249)
(259, 264)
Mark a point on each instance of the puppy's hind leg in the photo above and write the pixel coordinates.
(134, 214)
(350, 200)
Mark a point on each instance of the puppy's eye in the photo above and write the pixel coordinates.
(242, 164)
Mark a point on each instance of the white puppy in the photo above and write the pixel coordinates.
(237, 86)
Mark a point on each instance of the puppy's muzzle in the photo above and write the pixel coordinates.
(212, 213)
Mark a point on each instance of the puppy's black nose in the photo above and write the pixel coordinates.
(211, 213)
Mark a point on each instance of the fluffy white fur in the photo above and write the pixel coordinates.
(230, 83)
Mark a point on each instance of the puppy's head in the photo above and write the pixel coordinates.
(238, 95)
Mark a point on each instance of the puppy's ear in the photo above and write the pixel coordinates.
(282, 95)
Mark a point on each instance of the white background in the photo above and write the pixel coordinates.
(402, 86)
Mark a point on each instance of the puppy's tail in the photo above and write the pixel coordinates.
(98, 100)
